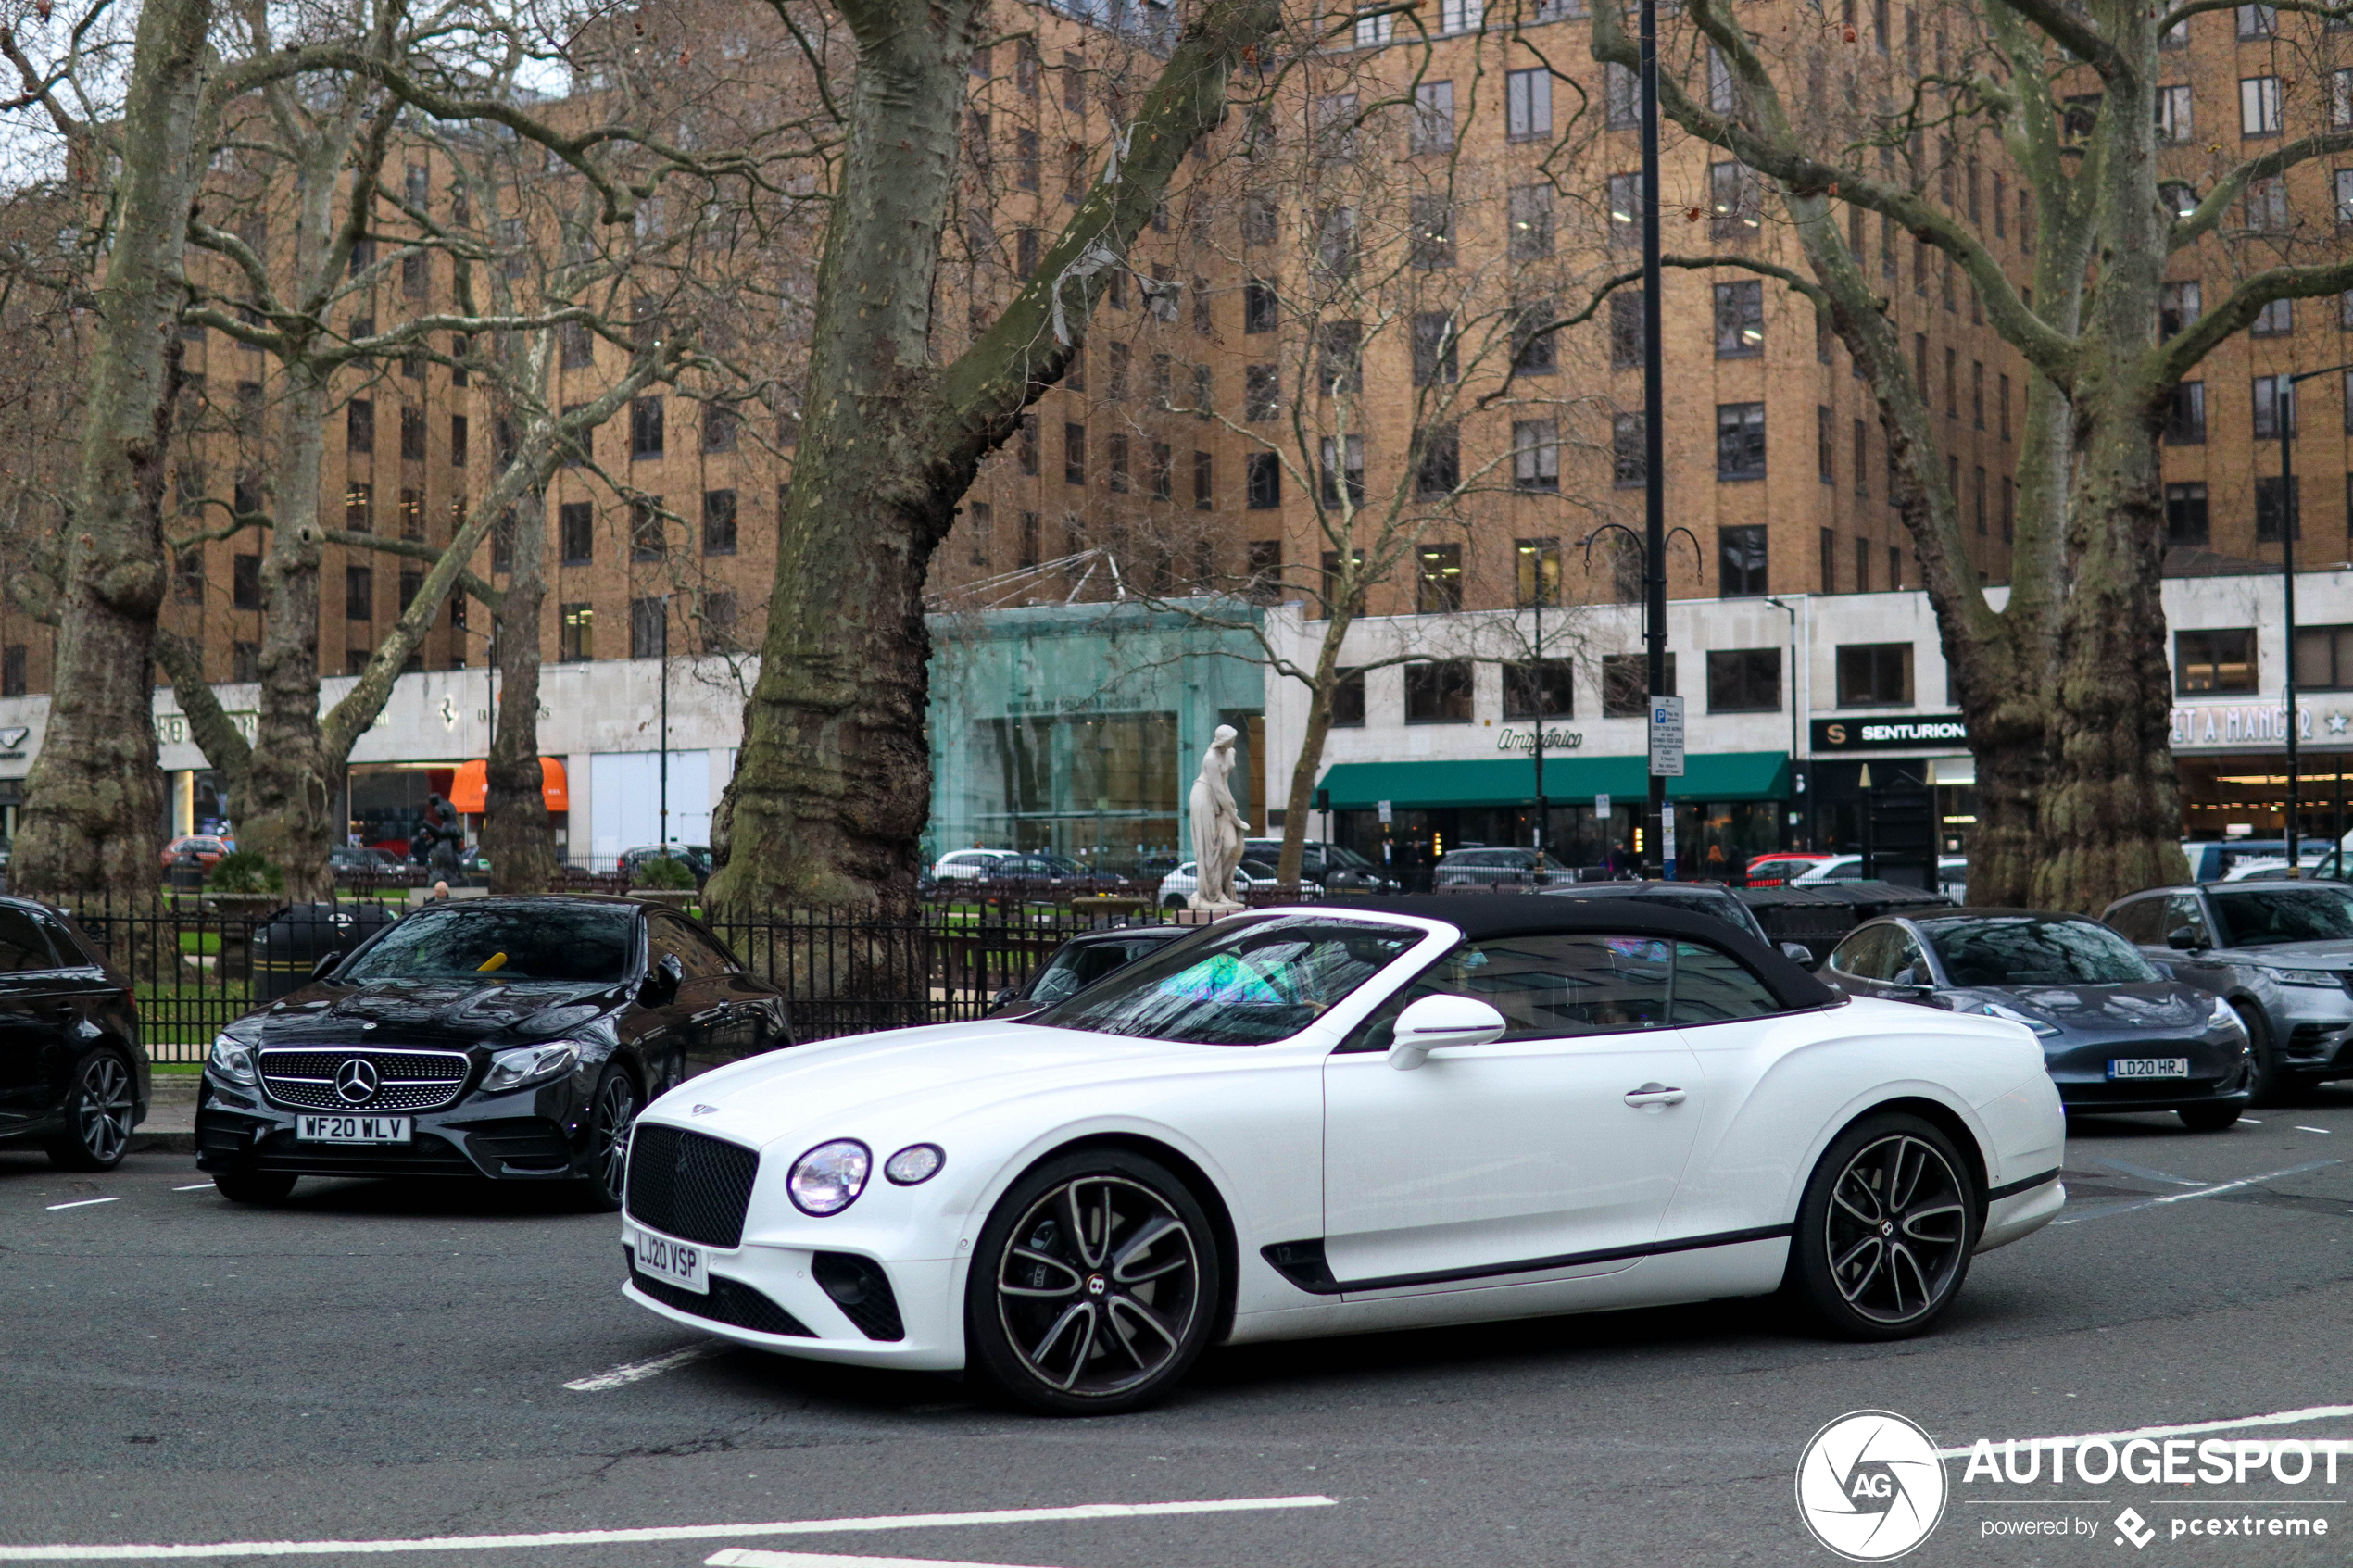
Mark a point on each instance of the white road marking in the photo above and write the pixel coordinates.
(637, 1372)
(2276, 1418)
(736, 1557)
(2147, 1174)
(82, 1204)
(199, 1186)
(150, 1553)
(2102, 1213)
(2249, 1122)
(2302, 1128)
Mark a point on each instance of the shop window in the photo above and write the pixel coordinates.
(2324, 659)
(576, 638)
(2185, 519)
(1348, 700)
(1875, 676)
(1626, 685)
(2214, 661)
(1438, 691)
(1539, 688)
(1744, 680)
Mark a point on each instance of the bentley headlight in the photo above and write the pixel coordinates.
(1995, 1009)
(2224, 1015)
(828, 1178)
(917, 1163)
(526, 1065)
(2322, 977)
(233, 1059)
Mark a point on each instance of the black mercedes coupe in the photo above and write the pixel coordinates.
(511, 1038)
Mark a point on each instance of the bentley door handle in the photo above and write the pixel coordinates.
(1652, 1094)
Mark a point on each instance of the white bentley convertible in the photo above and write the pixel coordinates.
(1309, 1122)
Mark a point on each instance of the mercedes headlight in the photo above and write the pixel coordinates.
(2224, 1014)
(1995, 1009)
(828, 1178)
(526, 1065)
(233, 1059)
(2317, 977)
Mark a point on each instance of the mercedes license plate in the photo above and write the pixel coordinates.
(353, 1129)
(2150, 1067)
(676, 1262)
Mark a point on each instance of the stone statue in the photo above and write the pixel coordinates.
(1217, 828)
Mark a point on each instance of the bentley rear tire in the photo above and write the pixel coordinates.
(1885, 1230)
(1094, 1287)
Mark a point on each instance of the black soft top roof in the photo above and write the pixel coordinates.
(1483, 915)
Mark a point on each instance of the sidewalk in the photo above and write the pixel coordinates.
(170, 1126)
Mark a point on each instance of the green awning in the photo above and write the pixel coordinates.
(1510, 781)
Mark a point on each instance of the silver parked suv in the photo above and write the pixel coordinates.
(2281, 953)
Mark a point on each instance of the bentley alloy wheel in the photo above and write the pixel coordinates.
(1101, 1280)
(1886, 1228)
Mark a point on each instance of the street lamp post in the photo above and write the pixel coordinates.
(662, 837)
(2284, 415)
(1653, 397)
(1796, 782)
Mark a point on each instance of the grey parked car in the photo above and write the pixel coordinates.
(2117, 1034)
(2280, 952)
(1480, 869)
(1698, 897)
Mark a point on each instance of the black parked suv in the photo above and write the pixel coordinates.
(512, 1038)
(73, 1075)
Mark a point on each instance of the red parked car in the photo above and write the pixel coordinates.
(205, 847)
(1781, 868)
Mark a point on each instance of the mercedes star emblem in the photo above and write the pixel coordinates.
(355, 1081)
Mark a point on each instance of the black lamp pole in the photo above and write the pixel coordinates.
(2284, 415)
(1653, 434)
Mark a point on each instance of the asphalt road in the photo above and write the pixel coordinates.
(384, 1364)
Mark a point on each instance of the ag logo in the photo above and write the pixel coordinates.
(1870, 1487)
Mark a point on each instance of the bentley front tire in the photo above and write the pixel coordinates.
(1885, 1230)
(1094, 1287)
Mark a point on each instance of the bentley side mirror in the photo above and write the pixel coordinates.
(1436, 1022)
(2184, 938)
(325, 966)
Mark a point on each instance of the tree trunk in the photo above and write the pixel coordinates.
(291, 784)
(94, 800)
(833, 786)
(515, 832)
(1311, 753)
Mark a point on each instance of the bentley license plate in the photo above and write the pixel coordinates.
(353, 1129)
(2150, 1067)
(676, 1263)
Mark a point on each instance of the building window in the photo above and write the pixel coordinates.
(2185, 420)
(1622, 97)
(1740, 440)
(1536, 455)
(360, 425)
(1073, 453)
(2277, 319)
(1438, 691)
(1740, 319)
(2258, 22)
(2272, 394)
(1434, 348)
(1862, 459)
(1625, 202)
(1536, 572)
(2259, 106)
(2268, 491)
(412, 515)
(1263, 569)
(1862, 565)
(1342, 462)
(1626, 339)
(1736, 202)
(245, 661)
(1438, 468)
(1744, 680)
(359, 593)
(457, 441)
(576, 532)
(1025, 444)
(1740, 561)
(719, 522)
(1529, 212)
(720, 423)
(645, 429)
(2174, 114)
(648, 628)
(576, 633)
(1163, 484)
(1260, 309)
(1262, 391)
(1204, 482)
(2185, 517)
(649, 538)
(1430, 238)
(1348, 700)
(1262, 480)
(1875, 676)
(1629, 456)
(412, 434)
(2214, 661)
(12, 670)
(1826, 444)
(1539, 690)
(1528, 103)
(2324, 659)
(358, 508)
(1030, 552)
(1828, 564)
(1335, 588)
(1432, 127)
(1117, 474)
(1535, 341)
(1437, 582)
(1626, 685)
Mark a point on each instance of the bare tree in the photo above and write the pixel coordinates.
(2067, 689)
